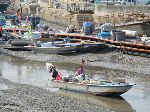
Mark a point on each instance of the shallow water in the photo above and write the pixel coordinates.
(3, 87)
(35, 73)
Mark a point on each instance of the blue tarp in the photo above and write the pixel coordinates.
(67, 40)
(2, 22)
(11, 17)
(104, 34)
(87, 24)
(88, 28)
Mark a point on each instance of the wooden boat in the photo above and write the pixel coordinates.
(84, 46)
(79, 36)
(127, 46)
(43, 37)
(55, 49)
(105, 88)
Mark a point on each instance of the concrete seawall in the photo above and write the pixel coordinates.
(57, 16)
(65, 18)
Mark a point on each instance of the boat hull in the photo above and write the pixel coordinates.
(94, 89)
(109, 90)
(56, 50)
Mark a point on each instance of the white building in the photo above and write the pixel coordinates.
(136, 2)
(142, 2)
(116, 1)
(128, 2)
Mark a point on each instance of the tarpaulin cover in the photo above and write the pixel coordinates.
(87, 24)
(104, 34)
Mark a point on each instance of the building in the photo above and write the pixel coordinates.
(116, 2)
(123, 2)
(142, 2)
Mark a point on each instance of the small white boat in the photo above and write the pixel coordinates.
(106, 88)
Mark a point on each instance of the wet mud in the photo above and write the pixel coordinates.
(16, 97)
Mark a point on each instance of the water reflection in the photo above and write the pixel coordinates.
(117, 104)
(23, 71)
(3, 87)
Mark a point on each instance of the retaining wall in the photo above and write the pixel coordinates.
(113, 9)
(140, 28)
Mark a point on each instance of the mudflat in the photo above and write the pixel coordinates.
(27, 98)
(135, 65)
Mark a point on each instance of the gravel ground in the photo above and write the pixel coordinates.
(27, 98)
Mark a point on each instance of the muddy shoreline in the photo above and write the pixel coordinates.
(137, 65)
(25, 98)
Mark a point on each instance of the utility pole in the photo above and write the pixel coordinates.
(107, 2)
(113, 1)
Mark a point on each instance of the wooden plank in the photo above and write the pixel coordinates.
(132, 49)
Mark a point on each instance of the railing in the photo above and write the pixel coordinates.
(79, 6)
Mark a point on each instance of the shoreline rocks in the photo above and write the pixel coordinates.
(27, 98)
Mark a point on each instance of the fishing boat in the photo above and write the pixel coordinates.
(106, 88)
(80, 82)
(55, 49)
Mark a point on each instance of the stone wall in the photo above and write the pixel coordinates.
(140, 28)
(65, 18)
(113, 9)
(57, 16)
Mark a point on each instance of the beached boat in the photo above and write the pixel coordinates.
(84, 46)
(43, 37)
(105, 88)
(55, 49)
